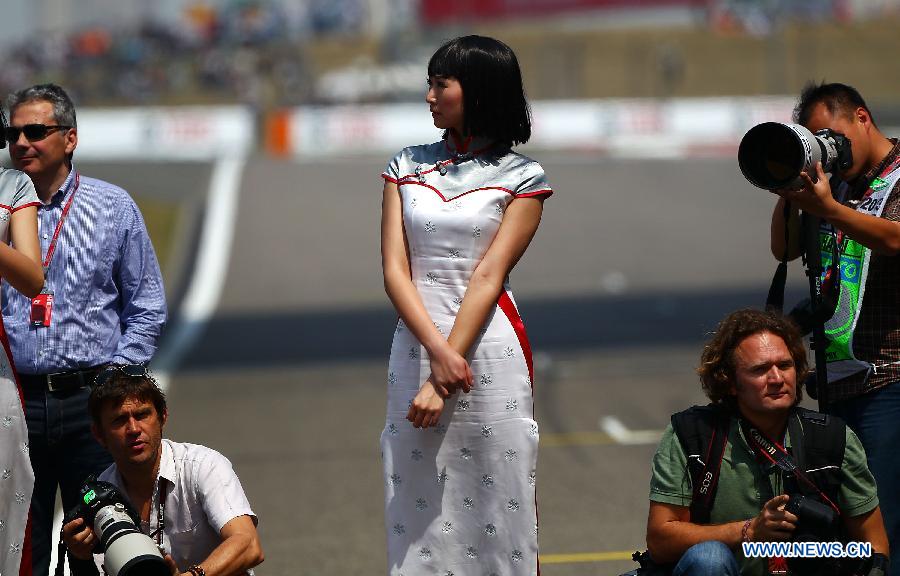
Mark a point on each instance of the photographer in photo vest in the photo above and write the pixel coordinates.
(860, 242)
(186, 497)
(753, 466)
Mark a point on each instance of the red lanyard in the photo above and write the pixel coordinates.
(59, 225)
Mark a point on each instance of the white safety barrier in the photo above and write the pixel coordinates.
(626, 127)
(175, 133)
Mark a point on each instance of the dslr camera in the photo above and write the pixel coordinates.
(772, 155)
(127, 551)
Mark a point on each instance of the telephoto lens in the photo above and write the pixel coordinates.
(127, 550)
(772, 155)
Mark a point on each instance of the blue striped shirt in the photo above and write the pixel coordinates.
(108, 298)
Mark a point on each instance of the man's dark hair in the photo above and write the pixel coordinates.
(717, 367)
(839, 99)
(494, 103)
(63, 108)
(120, 387)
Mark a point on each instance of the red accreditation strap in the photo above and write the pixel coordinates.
(52, 248)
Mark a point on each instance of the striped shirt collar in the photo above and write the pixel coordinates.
(65, 190)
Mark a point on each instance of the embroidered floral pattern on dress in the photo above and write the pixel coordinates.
(20, 497)
(7, 421)
(453, 254)
(414, 353)
(487, 480)
(462, 405)
(416, 455)
(431, 278)
(6, 474)
(533, 430)
(476, 232)
(510, 455)
(395, 479)
(512, 505)
(399, 529)
(509, 352)
(512, 404)
(440, 429)
(490, 529)
(425, 554)
(392, 429)
(516, 556)
(4, 215)
(447, 527)
(465, 453)
(486, 380)
(487, 431)
(392, 379)
(457, 300)
(471, 552)
(430, 227)
(468, 503)
(532, 478)
(442, 478)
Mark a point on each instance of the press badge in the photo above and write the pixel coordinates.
(41, 307)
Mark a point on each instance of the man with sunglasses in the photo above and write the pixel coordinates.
(188, 496)
(102, 301)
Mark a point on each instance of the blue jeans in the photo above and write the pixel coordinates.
(711, 558)
(875, 417)
(63, 453)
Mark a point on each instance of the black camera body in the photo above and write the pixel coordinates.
(127, 551)
(816, 522)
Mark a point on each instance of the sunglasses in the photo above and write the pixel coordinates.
(33, 132)
(130, 370)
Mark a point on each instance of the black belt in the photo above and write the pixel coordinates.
(62, 381)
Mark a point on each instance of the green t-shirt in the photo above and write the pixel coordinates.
(738, 496)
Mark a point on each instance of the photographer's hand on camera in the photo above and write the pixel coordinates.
(80, 539)
(814, 197)
(773, 523)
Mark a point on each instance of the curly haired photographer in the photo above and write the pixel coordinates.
(754, 467)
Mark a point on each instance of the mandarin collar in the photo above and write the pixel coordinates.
(471, 145)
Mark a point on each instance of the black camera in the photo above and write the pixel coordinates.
(814, 519)
(772, 155)
(816, 522)
(127, 551)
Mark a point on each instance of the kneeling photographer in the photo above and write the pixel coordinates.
(183, 500)
(754, 467)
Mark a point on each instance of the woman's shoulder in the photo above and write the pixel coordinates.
(12, 180)
(405, 161)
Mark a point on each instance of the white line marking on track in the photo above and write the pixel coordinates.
(208, 278)
(614, 428)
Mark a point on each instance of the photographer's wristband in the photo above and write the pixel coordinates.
(197, 570)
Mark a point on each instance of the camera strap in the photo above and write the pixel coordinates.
(160, 515)
(770, 451)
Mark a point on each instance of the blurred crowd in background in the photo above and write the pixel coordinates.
(269, 53)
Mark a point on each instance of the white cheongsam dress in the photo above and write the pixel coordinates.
(460, 497)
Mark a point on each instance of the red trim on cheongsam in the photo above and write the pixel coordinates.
(17, 208)
(444, 198)
(389, 178)
(546, 193)
(25, 568)
(512, 314)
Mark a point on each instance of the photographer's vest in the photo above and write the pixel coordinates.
(854, 269)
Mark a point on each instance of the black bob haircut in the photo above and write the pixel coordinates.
(839, 99)
(494, 103)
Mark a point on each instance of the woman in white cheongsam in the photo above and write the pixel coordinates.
(20, 267)
(460, 441)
